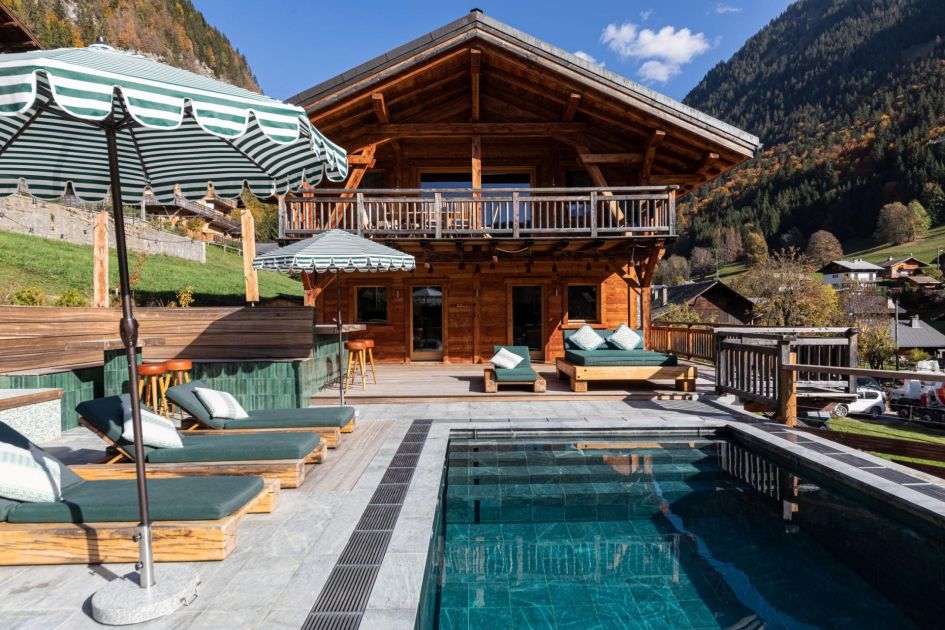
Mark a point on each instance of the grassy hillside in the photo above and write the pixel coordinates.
(53, 267)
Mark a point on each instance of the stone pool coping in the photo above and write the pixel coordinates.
(395, 598)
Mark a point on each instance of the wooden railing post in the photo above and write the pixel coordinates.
(689, 341)
(787, 384)
(361, 212)
(852, 356)
(593, 217)
(100, 297)
(720, 364)
(438, 213)
(515, 215)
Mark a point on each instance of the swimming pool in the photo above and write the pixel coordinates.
(667, 531)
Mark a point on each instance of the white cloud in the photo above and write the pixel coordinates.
(645, 15)
(722, 8)
(580, 54)
(667, 44)
(660, 71)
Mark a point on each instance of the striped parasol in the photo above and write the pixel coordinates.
(102, 121)
(336, 251)
(174, 128)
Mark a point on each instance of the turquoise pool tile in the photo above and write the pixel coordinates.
(623, 618)
(578, 618)
(490, 618)
(532, 618)
(488, 594)
(529, 593)
(662, 614)
(454, 618)
(566, 592)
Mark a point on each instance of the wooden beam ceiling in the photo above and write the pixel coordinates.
(611, 158)
(656, 138)
(433, 130)
(571, 108)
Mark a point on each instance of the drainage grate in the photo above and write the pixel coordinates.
(344, 597)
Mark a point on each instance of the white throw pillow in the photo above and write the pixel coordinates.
(156, 431)
(220, 404)
(28, 476)
(505, 359)
(626, 338)
(586, 339)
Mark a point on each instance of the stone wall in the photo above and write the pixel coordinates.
(25, 215)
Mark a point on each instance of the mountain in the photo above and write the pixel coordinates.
(849, 98)
(171, 30)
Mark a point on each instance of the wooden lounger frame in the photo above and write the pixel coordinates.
(93, 543)
(331, 436)
(684, 375)
(289, 472)
(492, 386)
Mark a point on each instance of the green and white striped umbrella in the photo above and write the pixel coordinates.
(334, 251)
(175, 128)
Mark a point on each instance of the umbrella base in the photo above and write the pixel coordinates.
(123, 601)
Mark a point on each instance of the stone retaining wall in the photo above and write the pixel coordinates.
(25, 215)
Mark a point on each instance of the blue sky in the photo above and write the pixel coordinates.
(666, 44)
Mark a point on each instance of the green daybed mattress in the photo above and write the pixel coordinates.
(522, 373)
(116, 500)
(610, 357)
(296, 418)
(107, 415)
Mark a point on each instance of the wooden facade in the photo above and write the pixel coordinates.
(502, 162)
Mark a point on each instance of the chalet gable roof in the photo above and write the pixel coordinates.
(478, 26)
(14, 35)
(908, 259)
(846, 266)
(686, 293)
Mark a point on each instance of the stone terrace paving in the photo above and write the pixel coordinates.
(283, 559)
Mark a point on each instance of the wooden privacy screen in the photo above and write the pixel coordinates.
(49, 338)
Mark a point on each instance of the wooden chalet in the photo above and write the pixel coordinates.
(537, 190)
(902, 267)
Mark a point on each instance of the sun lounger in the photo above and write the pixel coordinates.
(329, 422)
(521, 374)
(95, 521)
(273, 455)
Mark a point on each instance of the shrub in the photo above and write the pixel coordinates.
(28, 296)
(71, 297)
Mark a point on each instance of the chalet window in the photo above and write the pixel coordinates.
(372, 305)
(583, 302)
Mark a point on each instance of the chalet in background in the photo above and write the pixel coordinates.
(537, 191)
(850, 273)
(714, 301)
(902, 267)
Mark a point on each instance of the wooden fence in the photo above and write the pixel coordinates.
(692, 341)
(35, 339)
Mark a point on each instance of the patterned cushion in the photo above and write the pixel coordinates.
(221, 404)
(28, 476)
(156, 431)
(586, 339)
(626, 338)
(505, 359)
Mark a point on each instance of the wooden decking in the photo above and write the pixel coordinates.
(437, 382)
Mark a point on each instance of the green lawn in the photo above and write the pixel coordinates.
(54, 266)
(878, 428)
(925, 250)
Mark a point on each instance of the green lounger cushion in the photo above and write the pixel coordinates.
(599, 357)
(518, 374)
(315, 417)
(116, 501)
(522, 372)
(106, 415)
(9, 435)
(238, 447)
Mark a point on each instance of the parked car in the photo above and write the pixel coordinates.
(870, 401)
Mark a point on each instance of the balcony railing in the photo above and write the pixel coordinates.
(492, 213)
(216, 218)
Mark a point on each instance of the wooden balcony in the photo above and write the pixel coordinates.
(508, 213)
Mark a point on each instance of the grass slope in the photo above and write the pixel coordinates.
(891, 429)
(54, 266)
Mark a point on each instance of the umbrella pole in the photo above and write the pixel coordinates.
(129, 335)
(341, 372)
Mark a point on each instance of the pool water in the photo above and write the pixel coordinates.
(674, 533)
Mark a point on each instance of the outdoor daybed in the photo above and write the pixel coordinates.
(609, 363)
(328, 422)
(97, 521)
(273, 455)
(521, 374)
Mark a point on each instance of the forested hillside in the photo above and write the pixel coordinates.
(849, 99)
(172, 30)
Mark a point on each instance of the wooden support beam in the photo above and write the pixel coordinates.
(361, 159)
(611, 158)
(250, 278)
(475, 63)
(649, 156)
(359, 166)
(315, 284)
(434, 130)
(380, 107)
(574, 101)
(100, 260)
(476, 162)
(708, 161)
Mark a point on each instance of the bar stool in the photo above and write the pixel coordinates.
(178, 373)
(356, 352)
(370, 356)
(151, 386)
